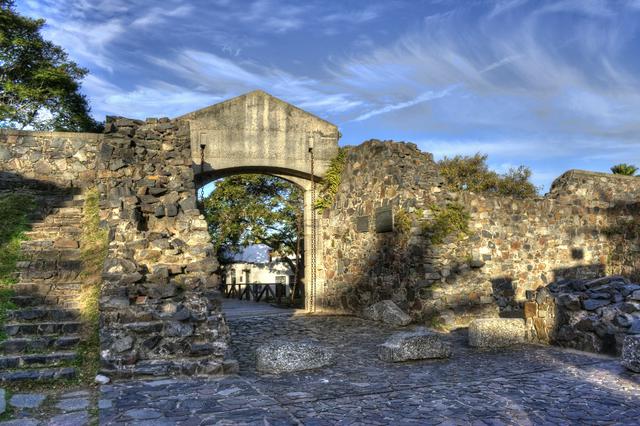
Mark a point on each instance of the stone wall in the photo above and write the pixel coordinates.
(60, 158)
(159, 315)
(514, 245)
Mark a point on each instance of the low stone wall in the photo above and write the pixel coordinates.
(158, 316)
(513, 245)
(61, 158)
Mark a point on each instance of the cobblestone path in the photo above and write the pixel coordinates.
(520, 386)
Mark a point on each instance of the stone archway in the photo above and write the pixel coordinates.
(258, 133)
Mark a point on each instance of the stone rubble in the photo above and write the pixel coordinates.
(594, 315)
(387, 312)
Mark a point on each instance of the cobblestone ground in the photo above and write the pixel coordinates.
(50, 407)
(524, 385)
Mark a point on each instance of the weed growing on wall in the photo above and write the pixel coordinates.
(447, 220)
(14, 221)
(471, 173)
(94, 244)
(331, 181)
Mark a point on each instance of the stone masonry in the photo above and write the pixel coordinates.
(513, 245)
(158, 313)
(159, 309)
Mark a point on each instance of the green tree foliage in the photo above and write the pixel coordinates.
(255, 209)
(624, 169)
(471, 173)
(40, 86)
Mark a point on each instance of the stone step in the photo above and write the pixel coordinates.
(43, 269)
(57, 220)
(40, 344)
(59, 243)
(44, 253)
(42, 314)
(35, 300)
(47, 288)
(42, 328)
(57, 228)
(54, 233)
(66, 211)
(52, 359)
(38, 375)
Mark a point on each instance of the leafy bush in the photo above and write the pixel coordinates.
(452, 218)
(471, 173)
(624, 169)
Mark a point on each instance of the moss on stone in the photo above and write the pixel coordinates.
(447, 220)
(14, 221)
(94, 245)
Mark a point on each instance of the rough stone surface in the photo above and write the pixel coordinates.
(514, 246)
(3, 401)
(287, 356)
(496, 332)
(64, 159)
(587, 314)
(528, 385)
(27, 400)
(101, 379)
(419, 344)
(387, 312)
(631, 353)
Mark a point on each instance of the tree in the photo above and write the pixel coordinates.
(256, 209)
(624, 169)
(40, 86)
(471, 173)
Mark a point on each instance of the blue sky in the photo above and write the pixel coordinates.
(551, 85)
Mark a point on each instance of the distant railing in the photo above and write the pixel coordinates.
(256, 291)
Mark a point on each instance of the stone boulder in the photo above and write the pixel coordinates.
(285, 357)
(387, 312)
(496, 332)
(631, 353)
(414, 345)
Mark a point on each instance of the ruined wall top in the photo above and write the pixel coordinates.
(258, 132)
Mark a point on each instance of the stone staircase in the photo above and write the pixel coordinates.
(44, 329)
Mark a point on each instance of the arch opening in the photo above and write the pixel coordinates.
(257, 225)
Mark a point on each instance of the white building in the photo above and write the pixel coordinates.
(253, 265)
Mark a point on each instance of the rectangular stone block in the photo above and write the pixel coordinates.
(496, 332)
(631, 353)
(415, 345)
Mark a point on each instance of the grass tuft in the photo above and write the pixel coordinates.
(14, 221)
(94, 245)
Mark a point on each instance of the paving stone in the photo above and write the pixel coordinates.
(518, 385)
(21, 422)
(80, 418)
(73, 404)
(3, 401)
(27, 400)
